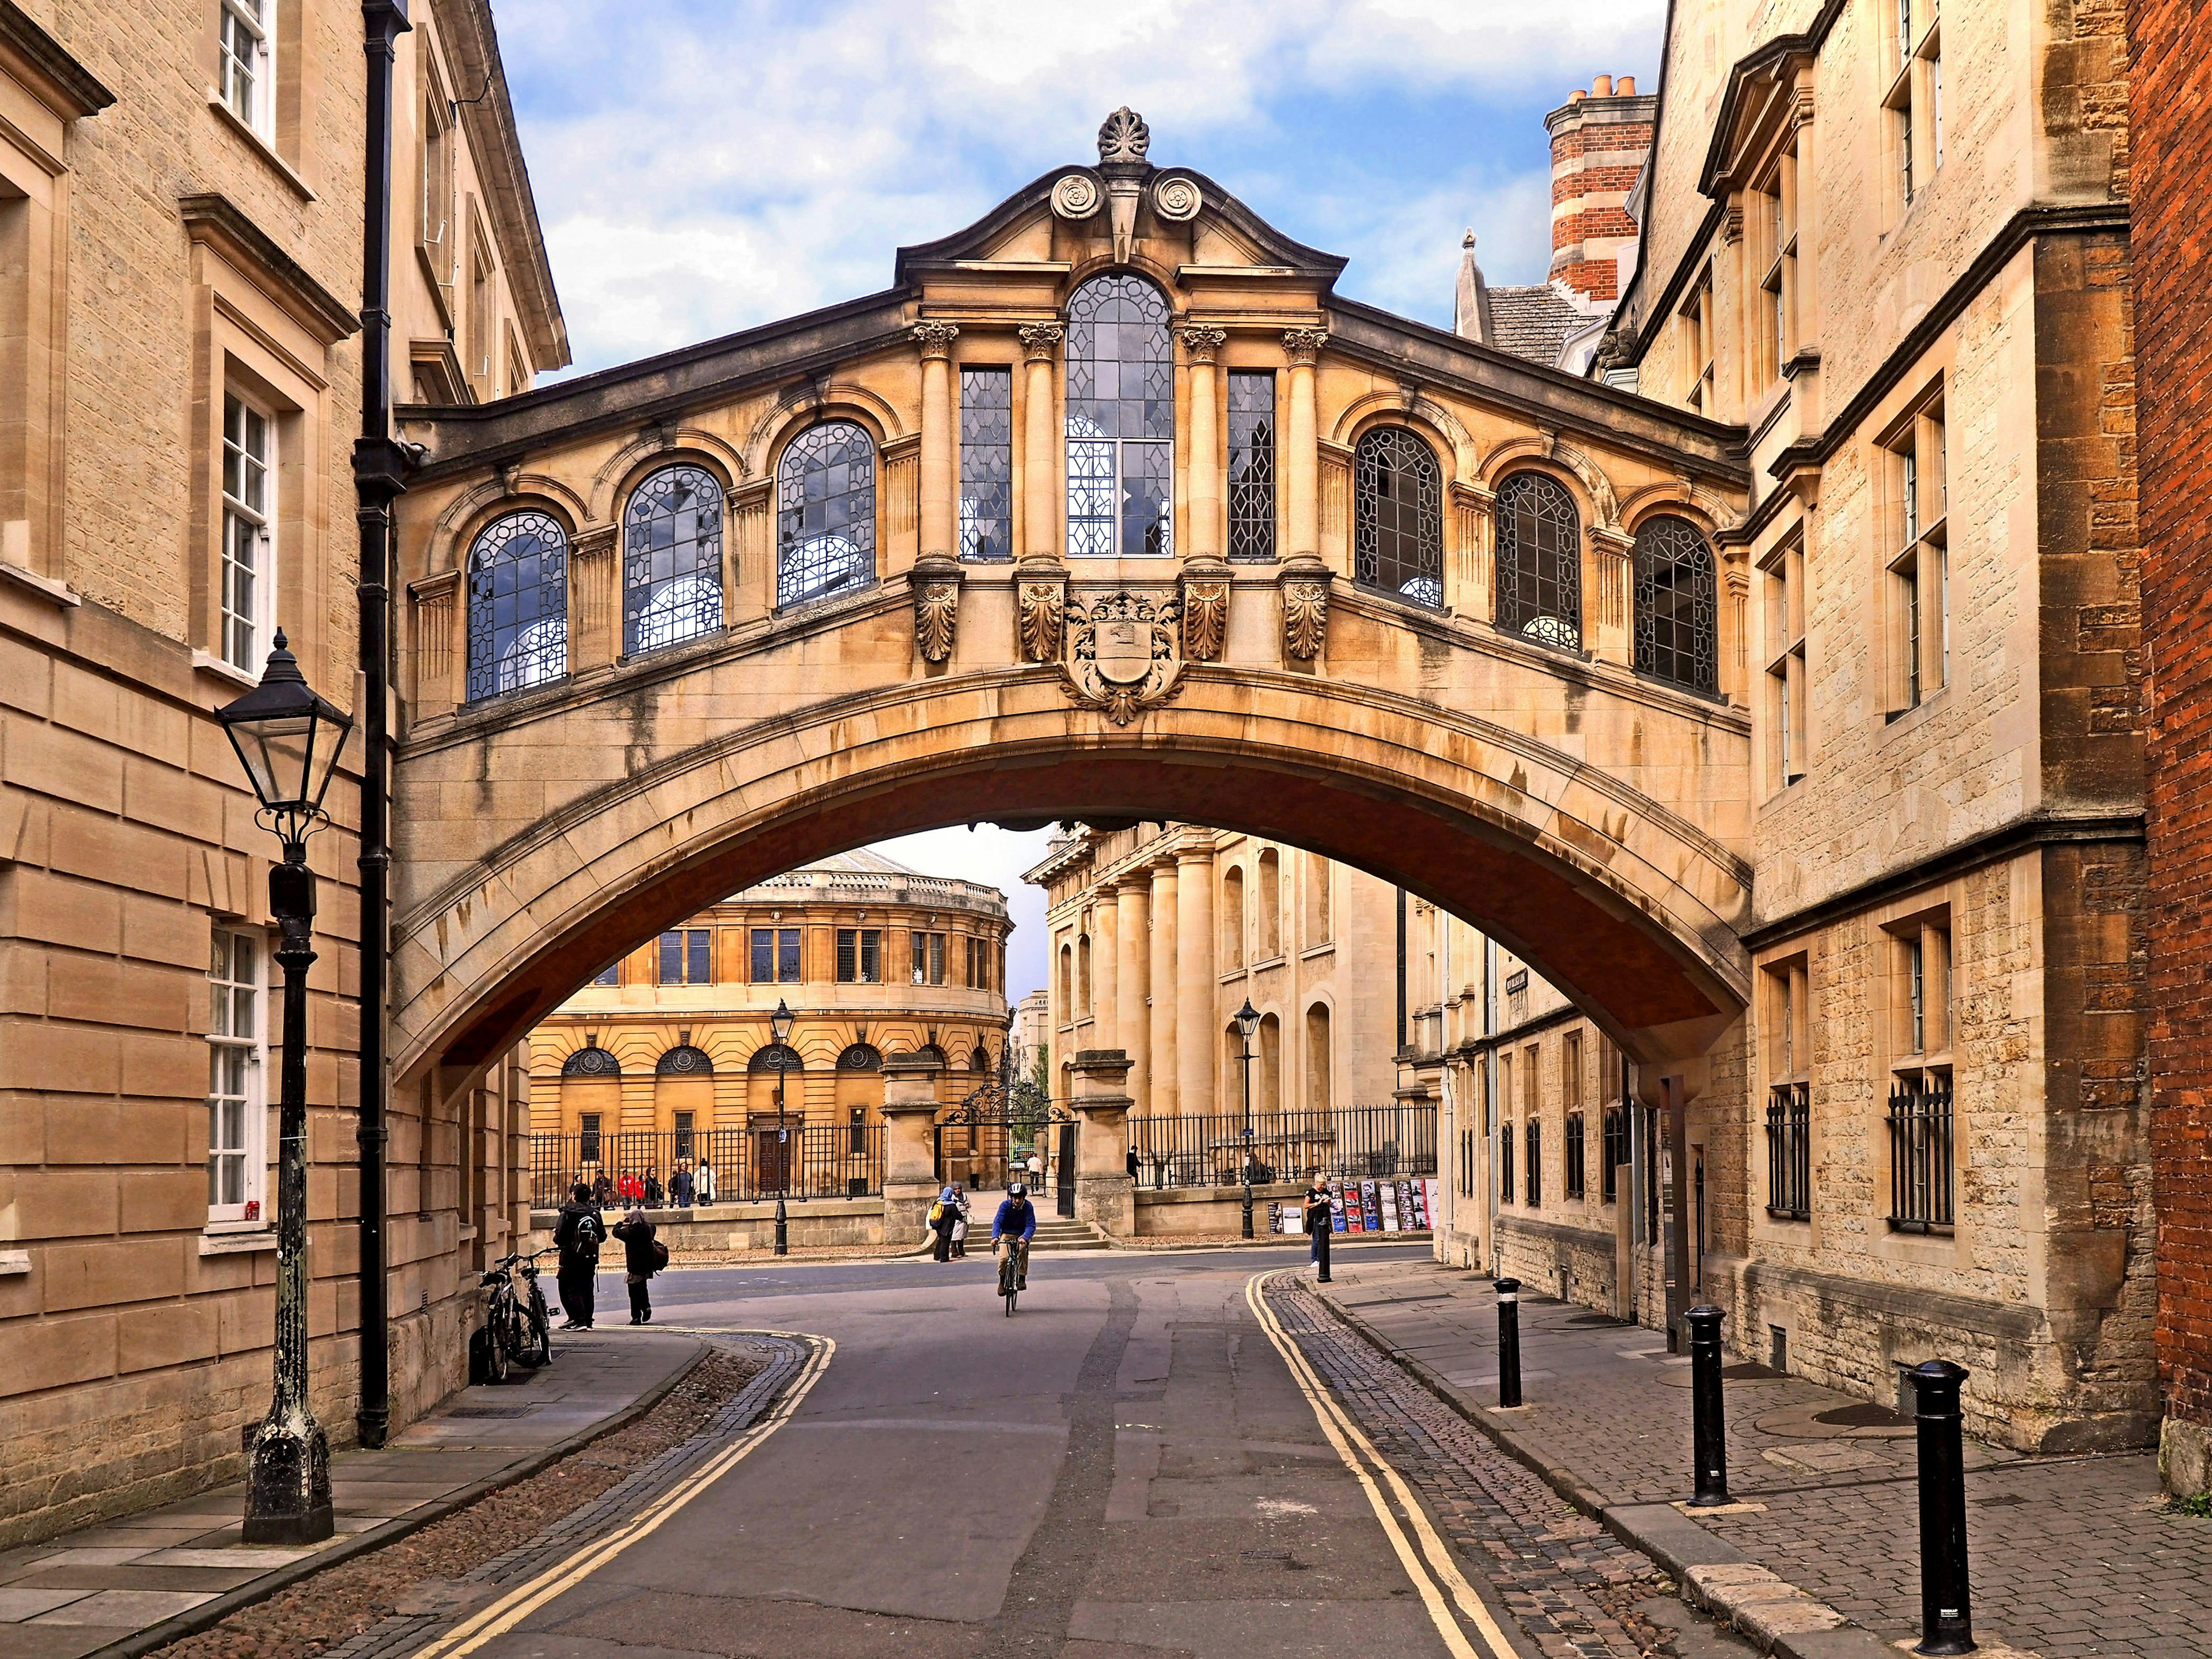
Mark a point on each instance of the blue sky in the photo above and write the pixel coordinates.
(704, 166)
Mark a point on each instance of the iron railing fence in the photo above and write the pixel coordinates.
(1349, 1142)
(1789, 1152)
(818, 1160)
(1920, 1158)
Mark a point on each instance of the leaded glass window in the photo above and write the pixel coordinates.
(1121, 421)
(825, 516)
(1540, 561)
(518, 605)
(672, 559)
(1251, 465)
(1677, 605)
(1397, 516)
(248, 554)
(987, 462)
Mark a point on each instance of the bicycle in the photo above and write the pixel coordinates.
(516, 1325)
(1010, 1273)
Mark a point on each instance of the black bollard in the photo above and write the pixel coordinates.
(1947, 1614)
(1509, 1342)
(1321, 1242)
(1709, 1437)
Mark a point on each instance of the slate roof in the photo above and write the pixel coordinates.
(1533, 321)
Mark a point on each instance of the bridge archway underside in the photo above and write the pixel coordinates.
(1600, 833)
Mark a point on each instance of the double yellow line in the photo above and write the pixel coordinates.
(518, 1603)
(1435, 1574)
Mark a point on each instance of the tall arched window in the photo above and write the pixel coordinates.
(1320, 1064)
(1540, 561)
(1232, 919)
(1267, 904)
(1068, 984)
(1121, 421)
(825, 512)
(518, 605)
(1083, 973)
(1397, 516)
(1677, 605)
(1267, 1089)
(672, 559)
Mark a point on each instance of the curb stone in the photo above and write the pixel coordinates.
(193, 1620)
(1714, 1576)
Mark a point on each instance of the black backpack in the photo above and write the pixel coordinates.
(589, 1235)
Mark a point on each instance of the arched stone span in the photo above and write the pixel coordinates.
(1623, 902)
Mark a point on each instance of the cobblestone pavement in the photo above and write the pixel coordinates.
(1572, 1585)
(2073, 1556)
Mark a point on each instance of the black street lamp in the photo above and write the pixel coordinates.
(1248, 1021)
(289, 739)
(780, 1023)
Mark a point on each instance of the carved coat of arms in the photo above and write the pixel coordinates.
(1122, 655)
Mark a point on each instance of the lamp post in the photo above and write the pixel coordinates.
(289, 740)
(1248, 1021)
(779, 1023)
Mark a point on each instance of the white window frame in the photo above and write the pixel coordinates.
(249, 1145)
(246, 62)
(249, 519)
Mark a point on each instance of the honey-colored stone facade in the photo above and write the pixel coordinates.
(167, 252)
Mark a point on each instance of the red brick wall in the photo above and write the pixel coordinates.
(2169, 95)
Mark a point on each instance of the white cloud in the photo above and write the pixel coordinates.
(706, 167)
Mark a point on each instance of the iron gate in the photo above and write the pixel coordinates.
(986, 1139)
(1064, 1182)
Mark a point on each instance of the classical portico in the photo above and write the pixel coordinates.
(1109, 506)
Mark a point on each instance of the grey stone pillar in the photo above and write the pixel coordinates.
(1103, 1192)
(909, 1146)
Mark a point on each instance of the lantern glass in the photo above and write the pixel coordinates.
(1248, 1019)
(780, 1021)
(289, 740)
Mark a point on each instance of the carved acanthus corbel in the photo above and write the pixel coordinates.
(1304, 584)
(1039, 610)
(936, 584)
(1205, 610)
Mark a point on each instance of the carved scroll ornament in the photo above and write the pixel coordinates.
(1205, 619)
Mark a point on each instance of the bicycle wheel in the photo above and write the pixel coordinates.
(1010, 1294)
(540, 1349)
(497, 1359)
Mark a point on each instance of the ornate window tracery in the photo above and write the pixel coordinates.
(987, 462)
(861, 1057)
(825, 516)
(517, 577)
(1540, 561)
(1251, 465)
(684, 1061)
(590, 1060)
(1121, 421)
(672, 559)
(775, 1057)
(1677, 605)
(1398, 518)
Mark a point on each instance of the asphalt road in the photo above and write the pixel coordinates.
(1126, 1467)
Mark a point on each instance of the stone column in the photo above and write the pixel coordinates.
(1194, 982)
(1203, 468)
(1105, 967)
(1161, 1072)
(1103, 1192)
(1302, 446)
(935, 340)
(909, 1146)
(1039, 484)
(1133, 980)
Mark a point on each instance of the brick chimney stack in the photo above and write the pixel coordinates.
(1600, 139)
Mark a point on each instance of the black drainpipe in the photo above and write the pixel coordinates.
(1401, 970)
(377, 466)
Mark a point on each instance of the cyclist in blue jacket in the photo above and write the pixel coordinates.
(1011, 1229)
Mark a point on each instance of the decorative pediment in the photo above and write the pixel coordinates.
(1770, 93)
(1124, 199)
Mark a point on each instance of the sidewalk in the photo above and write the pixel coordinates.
(133, 1582)
(2069, 1555)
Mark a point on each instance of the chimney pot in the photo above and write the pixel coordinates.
(1601, 87)
(1627, 88)
(1577, 97)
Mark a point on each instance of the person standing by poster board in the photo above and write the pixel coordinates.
(1320, 1224)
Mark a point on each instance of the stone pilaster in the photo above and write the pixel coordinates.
(1300, 446)
(1039, 483)
(1203, 531)
(938, 433)
(1106, 967)
(1133, 980)
(1162, 1075)
(1195, 981)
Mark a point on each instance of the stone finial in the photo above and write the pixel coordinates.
(1123, 136)
(935, 339)
(1040, 340)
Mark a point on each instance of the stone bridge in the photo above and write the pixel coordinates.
(1110, 508)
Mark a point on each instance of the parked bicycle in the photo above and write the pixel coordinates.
(516, 1325)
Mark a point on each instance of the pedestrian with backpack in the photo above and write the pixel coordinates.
(578, 1235)
(643, 1255)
